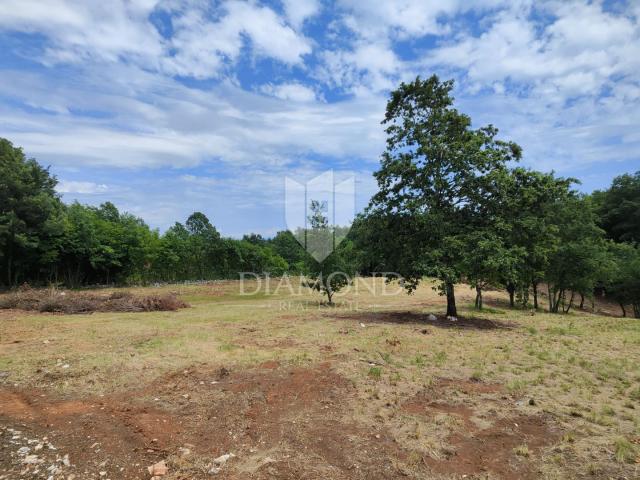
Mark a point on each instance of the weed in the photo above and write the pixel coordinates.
(419, 361)
(521, 451)
(625, 452)
(375, 373)
(515, 386)
(440, 358)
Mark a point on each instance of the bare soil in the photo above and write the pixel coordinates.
(280, 422)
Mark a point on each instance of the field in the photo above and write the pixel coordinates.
(373, 388)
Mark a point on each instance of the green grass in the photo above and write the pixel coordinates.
(625, 451)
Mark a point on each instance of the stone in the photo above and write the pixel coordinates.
(158, 469)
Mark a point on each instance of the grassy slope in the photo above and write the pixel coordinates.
(582, 368)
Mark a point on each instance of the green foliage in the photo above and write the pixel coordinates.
(622, 281)
(42, 240)
(578, 261)
(30, 218)
(619, 208)
(433, 182)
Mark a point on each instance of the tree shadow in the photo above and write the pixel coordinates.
(422, 319)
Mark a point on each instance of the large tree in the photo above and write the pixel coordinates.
(30, 217)
(433, 180)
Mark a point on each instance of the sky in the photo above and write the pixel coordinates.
(166, 107)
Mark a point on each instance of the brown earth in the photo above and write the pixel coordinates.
(280, 422)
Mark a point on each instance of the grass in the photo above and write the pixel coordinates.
(625, 451)
(582, 370)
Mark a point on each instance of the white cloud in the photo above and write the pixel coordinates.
(558, 77)
(406, 18)
(147, 121)
(89, 188)
(202, 46)
(82, 31)
(372, 66)
(576, 54)
(295, 92)
(298, 11)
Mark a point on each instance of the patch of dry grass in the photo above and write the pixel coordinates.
(72, 302)
(582, 370)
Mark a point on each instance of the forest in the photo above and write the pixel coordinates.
(452, 205)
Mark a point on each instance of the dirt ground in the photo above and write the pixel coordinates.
(294, 390)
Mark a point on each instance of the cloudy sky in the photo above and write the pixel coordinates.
(169, 106)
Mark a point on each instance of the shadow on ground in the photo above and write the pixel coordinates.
(421, 319)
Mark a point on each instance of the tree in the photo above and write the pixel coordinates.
(30, 217)
(286, 245)
(619, 208)
(203, 243)
(526, 203)
(623, 284)
(576, 263)
(486, 261)
(333, 272)
(434, 177)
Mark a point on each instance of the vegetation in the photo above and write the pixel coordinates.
(450, 206)
(425, 394)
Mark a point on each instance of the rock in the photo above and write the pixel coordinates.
(431, 317)
(23, 450)
(184, 451)
(32, 460)
(362, 325)
(222, 459)
(158, 469)
(219, 462)
(65, 460)
(451, 318)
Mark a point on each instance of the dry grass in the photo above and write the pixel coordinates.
(581, 370)
(71, 302)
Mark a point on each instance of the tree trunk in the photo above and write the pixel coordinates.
(534, 284)
(478, 298)
(570, 302)
(624, 311)
(636, 310)
(330, 296)
(511, 288)
(451, 300)
(581, 301)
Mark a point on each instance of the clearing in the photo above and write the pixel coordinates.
(374, 388)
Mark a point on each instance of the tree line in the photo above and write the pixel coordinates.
(451, 205)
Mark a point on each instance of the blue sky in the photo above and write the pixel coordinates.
(169, 106)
